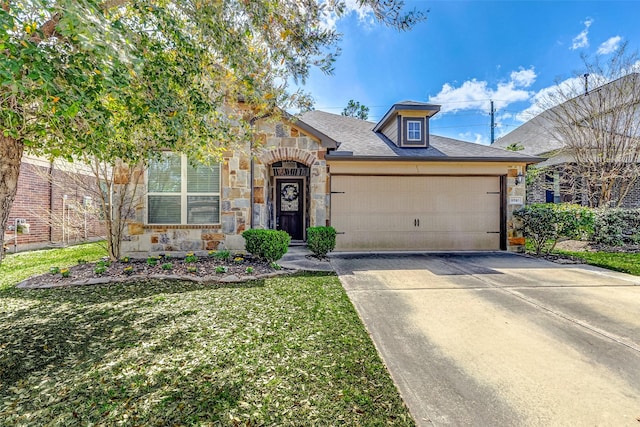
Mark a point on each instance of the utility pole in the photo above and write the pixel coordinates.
(586, 84)
(493, 122)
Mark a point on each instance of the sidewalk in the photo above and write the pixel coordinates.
(298, 258)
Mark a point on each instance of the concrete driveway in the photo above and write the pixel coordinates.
(496, 339)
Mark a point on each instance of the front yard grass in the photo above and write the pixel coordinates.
(20, 266)
(282, 351)
(617, 261)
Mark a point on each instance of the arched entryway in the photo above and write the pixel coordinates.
(289, 184)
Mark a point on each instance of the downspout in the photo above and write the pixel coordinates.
(251, 178)
(50, 201)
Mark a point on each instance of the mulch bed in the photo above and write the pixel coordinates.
(207, 269)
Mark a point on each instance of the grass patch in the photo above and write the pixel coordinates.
(20, 266)
(283, 351)
(617, 261)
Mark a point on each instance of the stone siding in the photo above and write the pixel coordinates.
(275, 142)
(515, 236)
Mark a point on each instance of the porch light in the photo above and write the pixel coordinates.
(519, 178)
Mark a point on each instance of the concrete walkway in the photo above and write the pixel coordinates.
(299, 258)
(495, 339)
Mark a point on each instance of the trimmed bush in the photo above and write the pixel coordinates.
(270, 245)
(617, 227)
(544, 223)
(321, 240)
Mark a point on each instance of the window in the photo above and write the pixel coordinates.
(414, 131)
(180, 192)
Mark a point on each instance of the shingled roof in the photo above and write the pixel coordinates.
(536, 136)
(533, 136)
(357, 140)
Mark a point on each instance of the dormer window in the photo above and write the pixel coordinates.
(406, 124)
(414, 130)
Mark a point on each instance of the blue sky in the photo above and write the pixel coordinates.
(468, 52)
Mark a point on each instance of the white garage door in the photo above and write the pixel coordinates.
(416, 212)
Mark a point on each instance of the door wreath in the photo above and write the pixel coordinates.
(289, 192)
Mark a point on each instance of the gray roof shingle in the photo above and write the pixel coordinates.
(357, 136)
(533, 136)
(537, 136)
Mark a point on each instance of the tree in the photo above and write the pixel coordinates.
(121, 80)
(355, 109)
(596, 116)
(516, 146)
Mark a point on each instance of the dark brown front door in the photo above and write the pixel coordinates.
(290, 207)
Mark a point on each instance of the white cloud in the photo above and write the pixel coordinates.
(582, 39)
(365, 14)
(476, 138)
(610, 45)
(523, 78)
(475, 95)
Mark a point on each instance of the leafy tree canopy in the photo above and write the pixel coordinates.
(355, 109)
(125, 79)
(117, 78)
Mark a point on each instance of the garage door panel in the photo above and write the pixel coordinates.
(416, 213)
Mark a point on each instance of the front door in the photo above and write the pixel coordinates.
(290, 207)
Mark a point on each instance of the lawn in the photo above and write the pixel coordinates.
(283, 351)
(17, 267)
(618, 261)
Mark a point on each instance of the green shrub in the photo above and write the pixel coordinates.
(544, 223)
(617, 226)
(167, 266)
(270, 245)
(321, 240)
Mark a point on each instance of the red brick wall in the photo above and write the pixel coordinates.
(40, 203)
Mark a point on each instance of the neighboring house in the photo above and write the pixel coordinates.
(537, 138)
(54, 205)
(383, 186)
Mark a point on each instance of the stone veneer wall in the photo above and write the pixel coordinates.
(515, 237)
(276, 142)
(282, 142)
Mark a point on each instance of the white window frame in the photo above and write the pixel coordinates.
(184, 213)
(418, 130)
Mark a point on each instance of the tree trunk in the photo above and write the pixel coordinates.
(10, 158)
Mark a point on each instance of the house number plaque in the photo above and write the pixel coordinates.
(516, 200)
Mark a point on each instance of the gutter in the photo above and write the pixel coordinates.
(335, 156)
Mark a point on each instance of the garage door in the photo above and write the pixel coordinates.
(416, 212)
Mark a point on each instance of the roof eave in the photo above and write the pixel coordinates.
(325, 141)
(528, 160)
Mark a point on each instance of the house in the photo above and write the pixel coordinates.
(579, 118)
(384, 186)
(53, 206)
